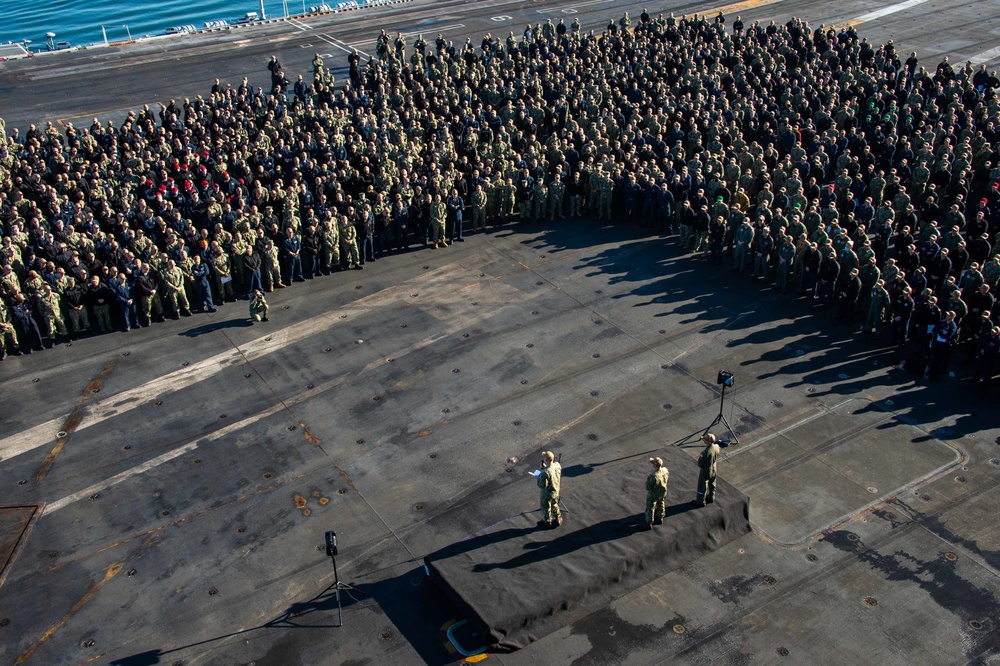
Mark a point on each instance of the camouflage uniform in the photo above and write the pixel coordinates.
(258, 307)
(9, 284)
(272, 267)
(478, 209)
(877, 308)
(548, 483)
(439, 216)
(237, 252)
(576, 201)
(8, 334)
(507, 200)
(869, 274)
(656, 493)
(524, 202)
(330, 249)
(223, 269)
(185, 263)
(786, 255)
(493, 202)
(557, 193)
(173, 289)
(349, 243)
(606, 194)
(33, 286)
(707, 470)
(539, 195)
(991, 272)
(744, 239)
(49, 307)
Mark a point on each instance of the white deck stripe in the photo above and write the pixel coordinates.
(333, 41)
(204, 439)
(457, 324)
(52, 507)
(886, 11)
(436, 287)
(553, 10)
(433, 29)
(985, 56)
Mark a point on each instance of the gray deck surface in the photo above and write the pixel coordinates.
(519, 581)
(184, 510)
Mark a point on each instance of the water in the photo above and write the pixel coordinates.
(79, 21)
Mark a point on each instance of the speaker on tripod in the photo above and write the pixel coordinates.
(726, 380)
(332, 552)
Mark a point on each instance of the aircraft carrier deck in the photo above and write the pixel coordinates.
(164, 493)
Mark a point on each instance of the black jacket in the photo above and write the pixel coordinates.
(99, 295)
(251, 262)
(145, 285)
(829, 270)
(75, 297)
(852, 289)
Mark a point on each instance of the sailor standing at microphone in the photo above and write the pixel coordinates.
(548, 482)
(656, 493)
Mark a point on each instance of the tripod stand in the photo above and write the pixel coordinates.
(721, 418)
(338, 586)
(331, 552)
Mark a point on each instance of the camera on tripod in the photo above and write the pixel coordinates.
(725, 378)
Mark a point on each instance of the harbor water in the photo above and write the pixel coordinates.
(79, 21)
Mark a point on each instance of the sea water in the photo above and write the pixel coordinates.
(79, 21)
